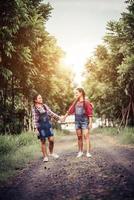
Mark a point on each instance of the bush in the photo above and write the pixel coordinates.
(24, 139)
(7, 144)
(15, 152)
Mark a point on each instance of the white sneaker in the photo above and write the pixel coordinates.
(79, 154)
(54, 155)
(45, 159)
(89, 155)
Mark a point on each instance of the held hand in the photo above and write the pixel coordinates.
(62, 118)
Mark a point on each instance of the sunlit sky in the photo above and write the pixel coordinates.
(79, 26)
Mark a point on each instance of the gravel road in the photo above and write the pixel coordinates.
(108, 175)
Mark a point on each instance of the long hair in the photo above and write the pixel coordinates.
(35, 98)
(79, 89)
(82, 91)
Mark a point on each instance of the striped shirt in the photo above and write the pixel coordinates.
(35, 114)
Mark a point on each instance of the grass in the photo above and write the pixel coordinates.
(15, 152)
(125, 136)
(105, 130)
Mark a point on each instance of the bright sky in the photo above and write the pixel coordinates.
(79, 26)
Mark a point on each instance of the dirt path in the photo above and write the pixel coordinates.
(108, 175)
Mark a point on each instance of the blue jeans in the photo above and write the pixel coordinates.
(45, 133)
(81, 123)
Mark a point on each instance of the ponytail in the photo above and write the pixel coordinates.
(83, 94)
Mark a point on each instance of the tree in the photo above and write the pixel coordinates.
(111, 71)
(29, 59)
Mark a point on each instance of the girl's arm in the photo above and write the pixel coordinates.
(52, 114)
(65, 116)
(90, 122)
(89, 111)
(35, 120)
(70, 111)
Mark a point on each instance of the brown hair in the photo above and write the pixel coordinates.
(35, 97)
(80, 89)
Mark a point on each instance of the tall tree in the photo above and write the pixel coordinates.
(111, 71)
(29, 58)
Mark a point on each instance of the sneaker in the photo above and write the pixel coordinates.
(89, 155)
(45, 159)
(79, 154)
(54, 155)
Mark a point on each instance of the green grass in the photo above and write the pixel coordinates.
(15, 152)
(125, 136)
(105, 130)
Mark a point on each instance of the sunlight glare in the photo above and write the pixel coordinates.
(76, 63)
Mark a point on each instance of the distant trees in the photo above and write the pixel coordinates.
(110, 72)
(29, 63)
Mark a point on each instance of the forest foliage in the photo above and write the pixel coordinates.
(110, 71)
(30, 63)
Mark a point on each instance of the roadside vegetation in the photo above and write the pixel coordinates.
(124, 136)
(16, 151)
